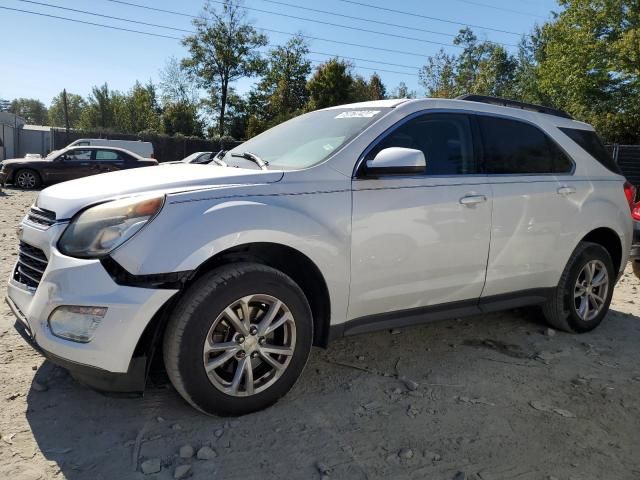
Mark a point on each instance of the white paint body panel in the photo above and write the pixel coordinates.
(381, 244)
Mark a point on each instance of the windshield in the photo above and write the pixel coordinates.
(193, 157)
(308, 139)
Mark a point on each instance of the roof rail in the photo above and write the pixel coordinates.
(503, 102)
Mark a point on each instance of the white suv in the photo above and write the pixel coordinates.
(341, 221)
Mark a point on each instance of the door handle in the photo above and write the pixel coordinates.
(566, 190)
(472, 200)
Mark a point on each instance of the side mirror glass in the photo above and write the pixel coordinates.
(397, 160)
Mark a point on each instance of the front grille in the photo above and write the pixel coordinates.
(32, 263)
(40, 216)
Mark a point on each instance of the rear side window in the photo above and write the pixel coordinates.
(107, 155)
(590, 142)
(512, 147)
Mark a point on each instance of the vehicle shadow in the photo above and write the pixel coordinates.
(355, 408)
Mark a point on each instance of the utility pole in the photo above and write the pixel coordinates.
(66, 113)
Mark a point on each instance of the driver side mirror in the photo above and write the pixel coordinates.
(397, 160)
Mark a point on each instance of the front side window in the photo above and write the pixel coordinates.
(308, 139)
(445, 140)
(513, 147)
(77, 156)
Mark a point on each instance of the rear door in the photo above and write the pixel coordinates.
(109, 160)
(421, 239)
(534, 194)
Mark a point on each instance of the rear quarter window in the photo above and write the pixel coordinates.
(589, 141)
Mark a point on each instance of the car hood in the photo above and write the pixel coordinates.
(65, 199)
(22, 161)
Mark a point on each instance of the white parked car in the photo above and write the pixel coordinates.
(341, 221)
(144, 149)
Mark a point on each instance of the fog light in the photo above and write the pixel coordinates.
(76, 323)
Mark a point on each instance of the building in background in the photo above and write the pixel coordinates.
(17, 138)
(4, 105)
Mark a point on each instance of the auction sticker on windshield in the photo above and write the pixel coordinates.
(358, 114)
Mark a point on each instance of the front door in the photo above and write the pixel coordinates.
(421, 240)
(69, 165)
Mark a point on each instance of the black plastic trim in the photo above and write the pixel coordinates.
(445, 311)
(170, 281)
(504, 102)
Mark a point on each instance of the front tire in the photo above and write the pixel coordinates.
(238, 339)
(584, 292)
(27, 179)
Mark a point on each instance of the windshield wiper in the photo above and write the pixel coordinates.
(252, 157)
(217, 159)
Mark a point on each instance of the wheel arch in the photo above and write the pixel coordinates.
(286, 259)
(610, 240)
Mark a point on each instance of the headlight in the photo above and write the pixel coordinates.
(101, 229)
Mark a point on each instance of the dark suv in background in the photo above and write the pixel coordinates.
(68, 164)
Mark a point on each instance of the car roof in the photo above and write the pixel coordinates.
(102, 147)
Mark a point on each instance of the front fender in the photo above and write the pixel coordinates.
(188, 233)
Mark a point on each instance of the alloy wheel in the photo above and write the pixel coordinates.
(26, 180)
(591, 289)
(249, 345)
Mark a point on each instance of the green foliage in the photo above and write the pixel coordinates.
(32, 110)
(181, 118)
(75, 106)
(482, 68)
(330, 85)
(223, 49)
(589, 64)
(402, 91)
(282, 92)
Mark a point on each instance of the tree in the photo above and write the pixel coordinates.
(330, 85)
(377, 90)
(483, 68)
(31, 109)
(181, 118)
(176, 85)
(359, 91)
(283, 89)
(402, 91)
(589, 64)
(99, 111)
(75, 106)
(223, 49)
(138, 110)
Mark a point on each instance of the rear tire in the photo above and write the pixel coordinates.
(27, 179)
(583, 295)
(225, 318)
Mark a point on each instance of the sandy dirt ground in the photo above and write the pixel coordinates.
(489, 397)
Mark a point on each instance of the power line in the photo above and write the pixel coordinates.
(179, 38)
(504, 9)
(374, 69)
(108, 16)
(322, 22)
(351, 17)
(311, 37)
(90, 23)
(437, 19)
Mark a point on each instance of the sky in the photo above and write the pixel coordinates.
(43, 55)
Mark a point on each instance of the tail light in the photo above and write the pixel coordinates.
(630, 193)
(635, 211)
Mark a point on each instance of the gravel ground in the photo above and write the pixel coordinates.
(489, 397)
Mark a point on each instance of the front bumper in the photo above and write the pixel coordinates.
(133, 381)
(72, 281)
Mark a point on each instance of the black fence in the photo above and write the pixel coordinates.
(166, 148)
(628, 159)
